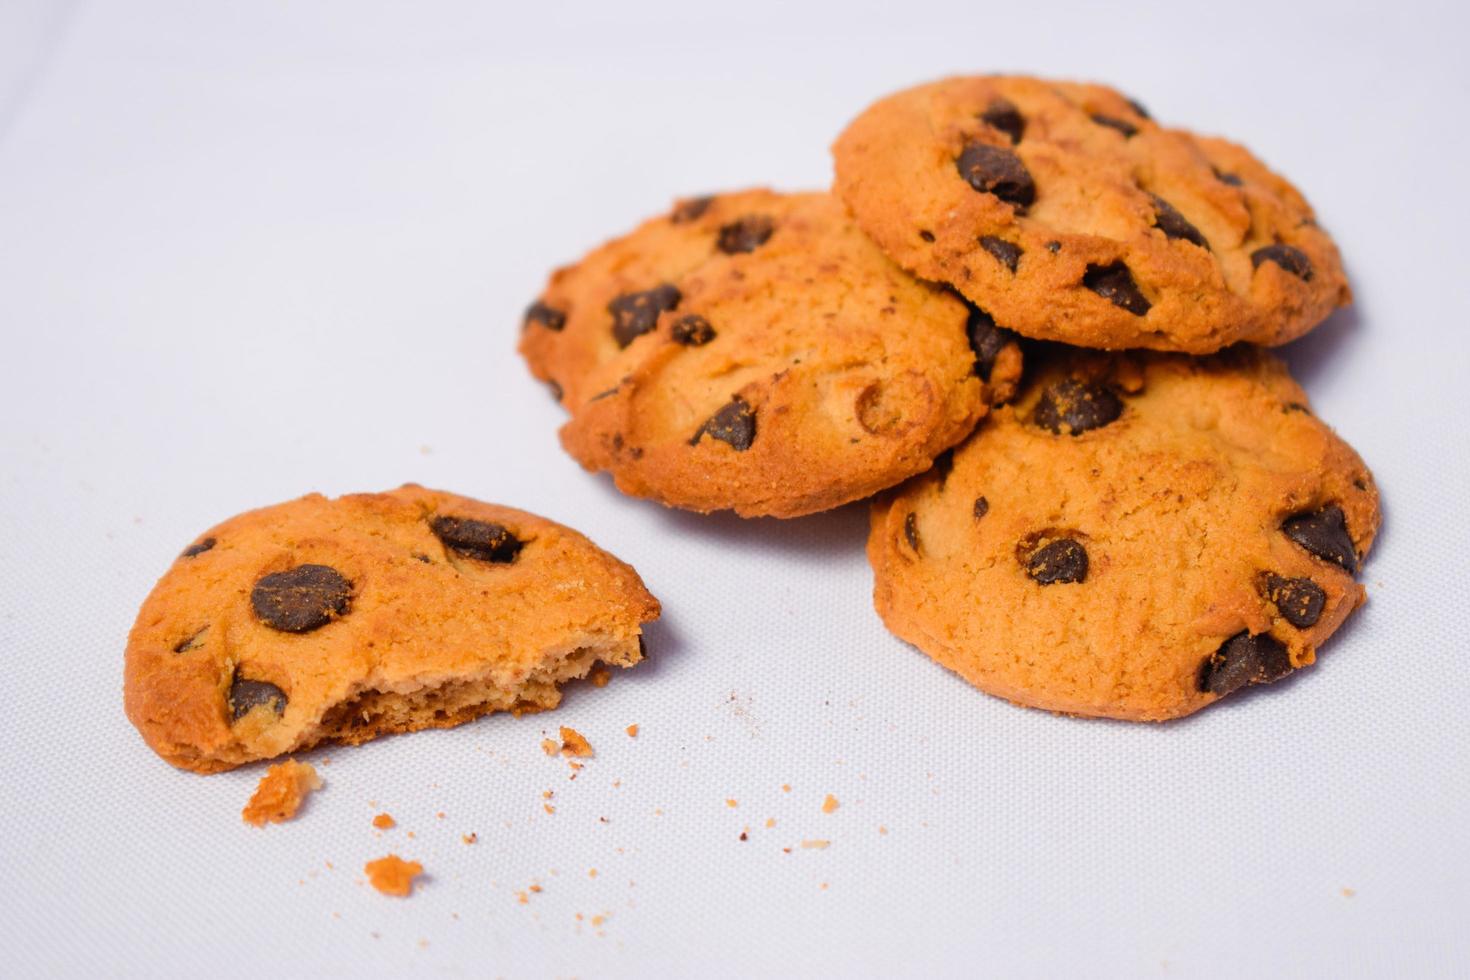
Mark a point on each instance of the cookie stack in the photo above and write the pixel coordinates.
(1143, 518)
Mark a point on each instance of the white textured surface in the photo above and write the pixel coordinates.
(250, 250)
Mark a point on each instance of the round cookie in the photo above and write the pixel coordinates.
(1136, 537)
(340, 620)
(754, 351)
(1068, 214)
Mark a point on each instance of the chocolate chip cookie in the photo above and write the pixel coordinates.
(340, 620)
(1065, 212)
(754, 351)
(1137, 536)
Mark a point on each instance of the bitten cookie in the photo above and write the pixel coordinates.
(340, 620)
(754, 351)
(1136, 537)
(1068, 214)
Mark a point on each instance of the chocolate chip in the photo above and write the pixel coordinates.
(943, 466)
(1054, 247)
(982, 507)
(690, 209)
(605, 394)
(745, 234)
(543, 315)
(484, 540)
(1076, 407)
(928, 236)
(992, 170)
(1300, 600)
(986, 339)
(1290, 407)
(1113, 122)
(191, 642)
(1293, 260)
(1227, 178)
(1175, 225)
(301, 599)
(1004, 116)
(1137, 107)
(1058, 563)
(692, 331)
(1004, 252)
(1244, 659)
(245, 695)
(198, 547)
(419, 556)
(911, 531)
(734, 424)
(1115, 283)
(634, 314)
(1324, 533)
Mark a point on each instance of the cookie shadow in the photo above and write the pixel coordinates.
(830, 534)
(1308, 357)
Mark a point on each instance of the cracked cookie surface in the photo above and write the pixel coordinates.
(1135, 537)
(754, 351)
(323, 620)
(1068, 214)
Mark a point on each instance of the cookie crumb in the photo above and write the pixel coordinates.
(632, 731)
(770, 822)
(829, 804)
(1348, 892)
(785, 787)
(598, 920)
(549, 746)
(600, 676)
(470, 838)
(392, 875)
(572, 743)
(732, 804)
(592, 872)
(548, 808)
(882, 829)
(815, 845)
(440, 815)
(744, 835)
(384, 821)
(281, 792)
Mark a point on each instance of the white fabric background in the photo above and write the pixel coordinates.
(251, 250)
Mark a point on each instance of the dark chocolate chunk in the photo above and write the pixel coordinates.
(1175, 225)
(191, 642)
(982, 507)
(691, 209)
(484, 540)
(198, 547)
(246, 694)
(1058, 563)
(1227, 178)
(1293, 260)
(943, 466)
(541, 314)
(1076, 407)
(1115, 283)
(634, 314)
(745, 234)
(928, 236)
(301, 599)
(1113, 122)
(992, 170)
(1324, 533)
(1137, 107)
(1004, 116)
(1244, 659)
(734, 424)
(986, 339)
(911, 531)
(1054, 247)
(1300, 600)
(692, 331)
(1006, 253)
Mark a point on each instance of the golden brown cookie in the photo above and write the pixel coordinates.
(1136, 537)
(340, 620)
(754, 351)
(1068, 214)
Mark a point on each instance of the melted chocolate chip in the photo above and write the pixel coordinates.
(1003, 251)
(542, 315)
(1175, 225)
(301, 599)
(1293, 260)
(246, 694)
(992, 170)
(1058, 563)
(911, 531)
(1324, 533)
(745, 234)
(1113, 122)
(1003, 115)
(1113, 282)
(634, 314)
(1227, 178)
(1300, 600)
(1244, 659)
(484, 540)
(692, 331)
(1076, 407)
(982, 507)
(198, 548)
(690, 209)
(734, 424)
(986, 339)
(191, 642)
